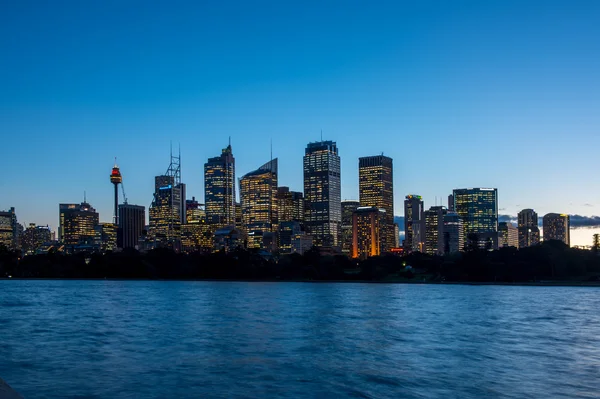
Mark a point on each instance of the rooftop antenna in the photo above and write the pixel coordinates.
(271, 149)
(321, 135)
(229, 141)
(84, 197)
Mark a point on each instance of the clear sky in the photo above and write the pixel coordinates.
(499, 94)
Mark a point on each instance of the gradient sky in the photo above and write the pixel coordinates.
(460, 93)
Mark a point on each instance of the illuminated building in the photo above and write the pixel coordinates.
(454, 239)
(239, 222)
(414, 223)
(557, 227)
(194, 212)
(290, 205)
(287, 231)
(478, 208)
(219, 189)
(197, 236)
(77, 226)
(34, 237)
(434, 230)
(322, 193)
(397, 238)
(301, 243)
(227, 239)
(106, 236)
(348, 208)
(367, 224)
(529, 231)
(376, 188)
(116, 179)
(132, 223)
(508, 235)
(258, 198)
(451, 203)
(8, 229)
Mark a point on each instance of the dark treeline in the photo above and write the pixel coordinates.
(548, 261)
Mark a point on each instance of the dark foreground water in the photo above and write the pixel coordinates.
(115, 339)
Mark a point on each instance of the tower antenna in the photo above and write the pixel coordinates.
(84, 197)
(321, 134)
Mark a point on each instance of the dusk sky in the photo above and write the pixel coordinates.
(499, 94)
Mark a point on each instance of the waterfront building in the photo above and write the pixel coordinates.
(194, 211)
(167, 212)
(258, 198)
(434, 230)
(322, 193)
(301, 243)
(454, 239)
(9, 234)
(508, 235)
(348, 208)
(478, 208)
(529, 232)
(376, 188)
(367, 226)
(228, 239)
(287, 231)
(77, 226)
(290, 205)
(106, 237)
(219, 189)
(132, 225)
(197, 236)
(414, 223)
(557, 227)
(34, 237)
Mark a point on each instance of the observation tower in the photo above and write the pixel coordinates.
(116, 179)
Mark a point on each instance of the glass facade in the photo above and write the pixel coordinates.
(77, 224)
(529, 232)
(165, 213)
(478, 208)
(414, 223)
(258, 198)
(348, 208)
(219, 189)
(557, 227)
(8, 228)
(132, 221)
(434, 230)
(290, 205)
(367, 226)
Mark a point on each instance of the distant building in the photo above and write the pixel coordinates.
(322, 193)
(228, 239)
(132, 222)
(454, 239)
(290, 205)
(508, 235)
(287, 231)
(219, 189)
(34, 237)
(348, 208)
(167, 211)
(9, 235)
(367, 227)
(258, 198)
(529, 232)
(451, 203)
(302, 243)
(197, 236)
(557, 227)
(434, 230)
(478, 208)
(414, 223)
(376, 188)
(194, 211)
(77, 226)
(106, 237)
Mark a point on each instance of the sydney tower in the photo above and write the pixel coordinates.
(116, 179)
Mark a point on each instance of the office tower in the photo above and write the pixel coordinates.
(454, 239)
(478, 208)
(106, 236)
(258, 198)
(557, 227)
(194, 211)
(167, 212)
(239, 222)
(116, 179)
(290, 205)
(434, 230)
(508, 235)
(348, 208)
(367, 226)
(376, 188)
(8, 229)
(414, 223)
(132, 223)
(529, 232)
(322, 193)
(451, 203)
(77, 225)
(34, 237)
(396, 235)
(219, 189)
(287, 231)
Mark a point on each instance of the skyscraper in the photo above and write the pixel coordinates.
(529, 232)
(132, 221)
(508, 235)
(290, 205)
(34, 237)
(454, 240)
(258, 198)
(434, 230)
(414, 223)
(478, 208)
(8, 229)
(219, 189)
(557, 227)
(367, 225)
(376, 188)
(322, 193)
(348, 208)
(77, 225)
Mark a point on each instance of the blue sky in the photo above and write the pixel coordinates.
(465, 93)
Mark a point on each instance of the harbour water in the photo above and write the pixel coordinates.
(159, 339)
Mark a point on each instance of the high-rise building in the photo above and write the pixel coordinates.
(348, 208)
(478, 208)
(376, 188)
(258, 198)
(132, 222)
(434, 230)
(8, 229)
(322, 193)
(367, 225)
(77, 225)
(106, 236)
(508, 235)
(451, 203)
(287, 231)
(454, 239)
(557, 227)
(414, 223)
(290, 205)
(194, 211)
(219, 189)
(34, 237)
(529, 232)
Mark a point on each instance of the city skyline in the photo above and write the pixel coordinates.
(426, 84)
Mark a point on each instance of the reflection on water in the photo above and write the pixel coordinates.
(115, 339)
